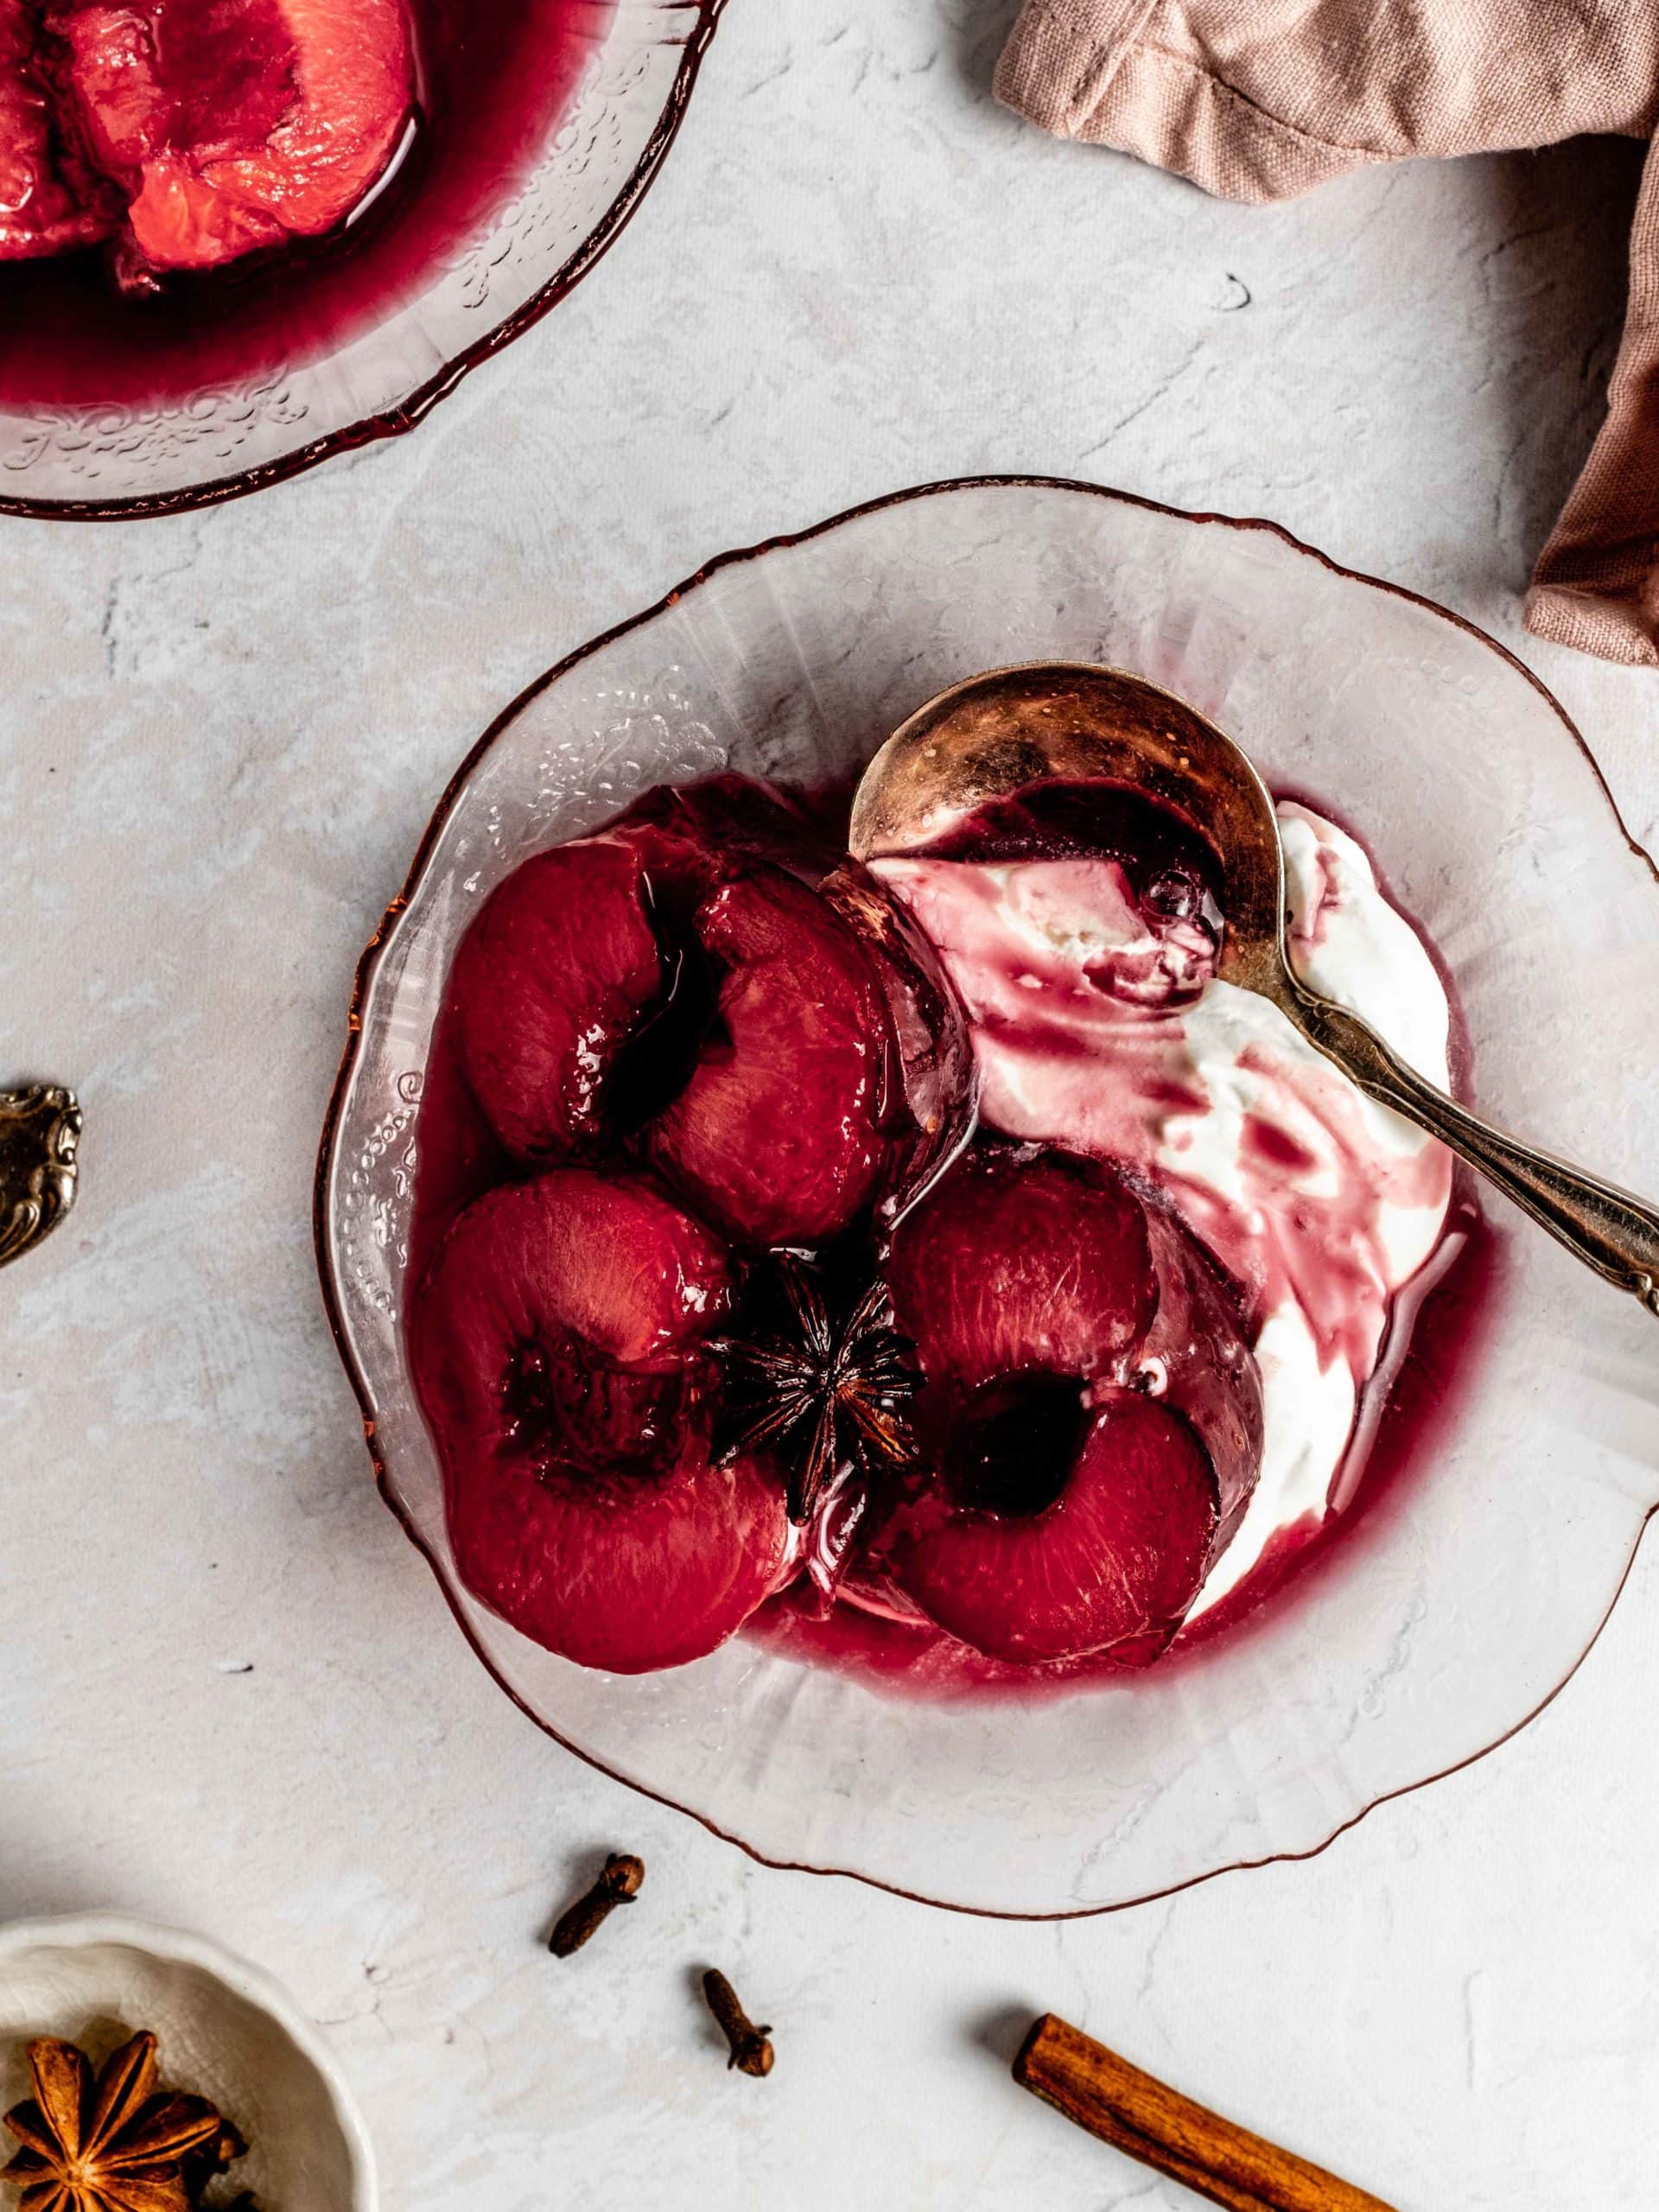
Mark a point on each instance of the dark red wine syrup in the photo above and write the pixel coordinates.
(494, 81)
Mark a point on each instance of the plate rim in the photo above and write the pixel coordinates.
(368, 963)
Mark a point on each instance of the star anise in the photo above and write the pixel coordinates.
(821, 1392)
(109, 2145)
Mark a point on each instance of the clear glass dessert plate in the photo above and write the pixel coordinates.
(192, 449)
(1471, 1590)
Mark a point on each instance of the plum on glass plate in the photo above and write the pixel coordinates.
(1493, 1533)
(239, 235)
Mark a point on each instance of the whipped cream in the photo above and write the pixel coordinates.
(1099, 1025)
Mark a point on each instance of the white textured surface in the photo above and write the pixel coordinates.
(231, 1698)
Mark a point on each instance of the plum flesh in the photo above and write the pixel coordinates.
(776, 1136)
(548, 984)
(233, 125)
(195, 131)
(1021, 1259)
(1115, 1554)
(51, 199)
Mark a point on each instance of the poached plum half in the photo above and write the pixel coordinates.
(188, 133)
(562, 1339)
(1080, 1484)
(700, 1054)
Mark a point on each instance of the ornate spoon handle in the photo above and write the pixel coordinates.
(40, 1128)
(1609, 1229)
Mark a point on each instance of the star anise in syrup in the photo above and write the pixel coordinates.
(112, 2143)
(821, 1391)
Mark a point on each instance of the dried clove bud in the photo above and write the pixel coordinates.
(751, 2046)
(204, 2165)
(618, 1883)
(209, 2162)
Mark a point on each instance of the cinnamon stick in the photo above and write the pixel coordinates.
(1099, 2091)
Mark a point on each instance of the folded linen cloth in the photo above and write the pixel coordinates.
(1261, 100)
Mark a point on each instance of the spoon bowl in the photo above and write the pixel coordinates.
(999, 734)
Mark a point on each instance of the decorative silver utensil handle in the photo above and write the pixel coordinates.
(1614, 1231)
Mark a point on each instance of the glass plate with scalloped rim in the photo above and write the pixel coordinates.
(1474, 1588)
(637, 62)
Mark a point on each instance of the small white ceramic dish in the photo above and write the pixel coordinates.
(227, 2032)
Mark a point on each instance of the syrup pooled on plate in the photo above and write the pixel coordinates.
(777, 1264)
(198, 193)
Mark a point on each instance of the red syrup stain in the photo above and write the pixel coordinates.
(1407, 1411)
(494, 81)
(1272, 1147)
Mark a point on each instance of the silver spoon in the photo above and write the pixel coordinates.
(999, 732)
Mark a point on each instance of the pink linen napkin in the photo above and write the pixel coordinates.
(1261, 100)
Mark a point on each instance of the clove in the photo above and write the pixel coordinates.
(618, 1883)
(203, 2166)
(751, 2047)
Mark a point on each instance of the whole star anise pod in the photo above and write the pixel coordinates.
(109, 2145)
(817, 1391)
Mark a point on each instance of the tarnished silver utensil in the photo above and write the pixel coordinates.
(40, 1131)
